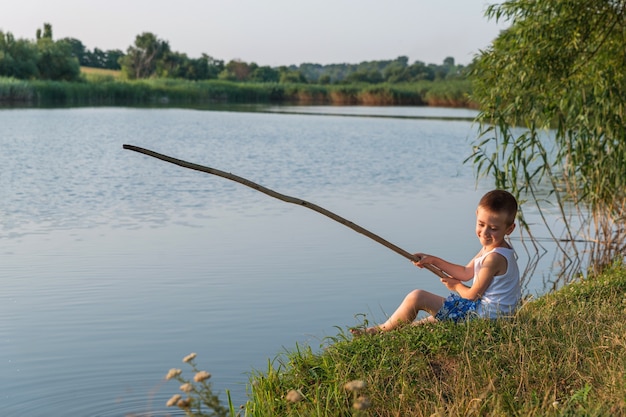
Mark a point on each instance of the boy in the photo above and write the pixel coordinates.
(495, 290)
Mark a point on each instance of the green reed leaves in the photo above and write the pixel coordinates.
(105, 89)
(552, 94)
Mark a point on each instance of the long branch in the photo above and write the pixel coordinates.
(287, 199)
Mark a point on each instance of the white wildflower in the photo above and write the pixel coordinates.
(362, 403)
(173, 401)
(201, 376)
(173, 373)
(355, 385)
(187, 387)
(294, 396)
(184, 403)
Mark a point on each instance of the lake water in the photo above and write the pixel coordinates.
(114, 265)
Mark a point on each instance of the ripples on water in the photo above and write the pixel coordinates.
(116, 265)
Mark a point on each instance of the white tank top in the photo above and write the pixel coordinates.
(504, 293)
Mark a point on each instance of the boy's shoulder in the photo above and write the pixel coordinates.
(500, 260)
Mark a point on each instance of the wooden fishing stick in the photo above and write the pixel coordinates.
(288, 199)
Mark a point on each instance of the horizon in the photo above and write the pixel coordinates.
(273, 33)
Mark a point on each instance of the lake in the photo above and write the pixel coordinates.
(116, 265)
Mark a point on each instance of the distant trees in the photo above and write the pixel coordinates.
(18, 57)
(151, 57)
(265, 74)
(237, 70)
(178, 65)
(43, 59)
(96, 58)
(374, 72)
(55, 60)
(141, 60)
(291, 75)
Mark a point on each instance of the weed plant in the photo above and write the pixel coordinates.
(195, 396)
(563, 354)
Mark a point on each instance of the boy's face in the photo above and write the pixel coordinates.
(492, 227)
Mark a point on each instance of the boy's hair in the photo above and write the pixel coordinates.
(500, 201)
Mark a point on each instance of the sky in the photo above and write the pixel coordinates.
(269, 32)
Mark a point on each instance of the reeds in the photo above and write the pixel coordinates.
(14, 91)
(100, 88)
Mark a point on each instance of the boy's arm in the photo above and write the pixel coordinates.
(494, 264)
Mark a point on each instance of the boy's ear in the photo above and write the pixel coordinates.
(510, 229)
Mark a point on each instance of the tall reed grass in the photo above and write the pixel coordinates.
(14, 91)
(101, 88)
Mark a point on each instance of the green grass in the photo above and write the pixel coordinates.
(99, 74)
(564, 354)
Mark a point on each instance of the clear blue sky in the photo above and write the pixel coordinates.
(269, 32)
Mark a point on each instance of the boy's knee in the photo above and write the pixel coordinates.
(414, 295)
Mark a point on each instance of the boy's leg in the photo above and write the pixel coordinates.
(415, 301)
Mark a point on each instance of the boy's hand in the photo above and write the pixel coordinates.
(423, 259)
(451, 283)
(432, 263)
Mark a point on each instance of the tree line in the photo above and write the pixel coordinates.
(42, 59)
(152, 57)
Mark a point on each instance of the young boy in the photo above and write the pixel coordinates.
(495, 290)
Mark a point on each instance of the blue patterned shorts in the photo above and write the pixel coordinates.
(456, 308)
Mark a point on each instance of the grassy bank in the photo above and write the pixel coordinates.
(106, 88)
(564, 354)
